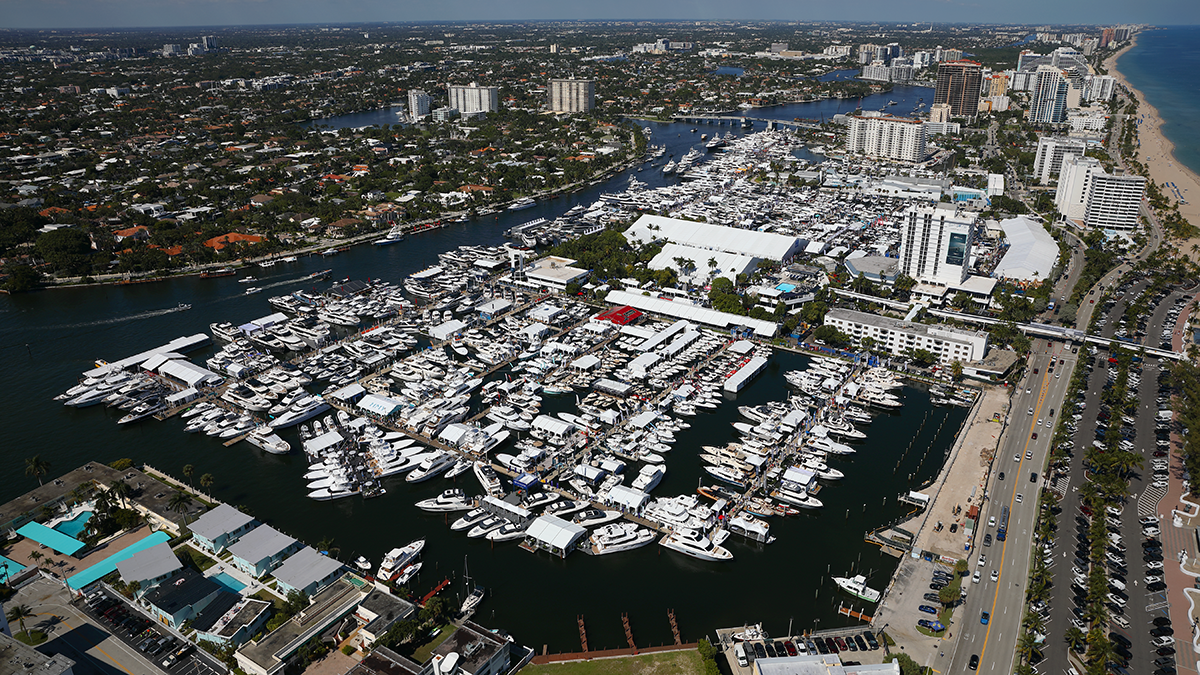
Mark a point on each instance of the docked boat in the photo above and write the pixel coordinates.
(486, 525)
(617, 537)
(693, 543)
(394, 235)
(522, 204)
(266, 439)
(751, 633)
(594, 517)
(408, 573)
(472, 600)
(431, 467)
(453, 499)
(488, 479)
(857, 586)
(397, 558)
(750, 527)
(506, 532)
(470, 520)
(304, 409)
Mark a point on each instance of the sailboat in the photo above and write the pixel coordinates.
(476, 595)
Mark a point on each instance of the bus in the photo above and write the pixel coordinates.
(1002, 529)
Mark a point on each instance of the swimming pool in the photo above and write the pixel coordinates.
(75, 526)
(230, 584)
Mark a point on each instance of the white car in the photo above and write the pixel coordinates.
(1019, 498)
(995, 575)
(1148, 520)
(975, 578)
(992, 521)
(981, 561)
(1154, 565)
(1151, 531)
(1151, 578)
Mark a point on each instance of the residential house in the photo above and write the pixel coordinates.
(261, 550)
(149, 567)
(307, 572)
(220, 527)
(182, 599)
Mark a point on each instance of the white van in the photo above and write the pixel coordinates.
(1120, 621)
(740, 652)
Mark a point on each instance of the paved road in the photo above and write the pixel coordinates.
(995, 643)
(76, 635)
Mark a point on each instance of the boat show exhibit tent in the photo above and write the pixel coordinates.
(189, 373)
(701, 315)
(446, 330)
(729, 265)
(752, 243)
(554, 534)
(48, 536)
(379, 405)
(1031, 251)
(628, 499)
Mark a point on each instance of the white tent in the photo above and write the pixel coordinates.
(554, 534)
(1031, 253)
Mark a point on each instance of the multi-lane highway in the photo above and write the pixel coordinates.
(1021, 456)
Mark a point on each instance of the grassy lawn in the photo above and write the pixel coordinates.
(268, 596)
(32, 637)
(685, 662)
(422, 653)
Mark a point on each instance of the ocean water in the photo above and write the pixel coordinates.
(1165, 66)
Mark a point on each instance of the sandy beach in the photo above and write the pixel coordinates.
(1158, 154)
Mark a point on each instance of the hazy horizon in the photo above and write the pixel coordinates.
(129, 14)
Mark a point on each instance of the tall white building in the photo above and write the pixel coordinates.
(888, 137)
(1071, 196)
(1052, 151)
(935, 244)
(1048, 104)
(900, 338)
(418, 103)
(1099, 87)
(1113, 201)
(572, 96)
(474, 98)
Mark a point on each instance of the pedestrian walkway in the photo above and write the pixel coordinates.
(1149, 500)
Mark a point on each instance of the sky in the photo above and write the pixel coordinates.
(167, 13)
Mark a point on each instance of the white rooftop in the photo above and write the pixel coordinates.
(708, 237)
(1032, 251)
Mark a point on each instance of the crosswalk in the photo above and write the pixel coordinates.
(1062, 482)
(1149, 499)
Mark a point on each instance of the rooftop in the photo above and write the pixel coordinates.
(262, 542)
(219, 521)
(188, 588)
(474, 644)
(888, 323)
(17, 658)
(149, 563)
(307, 566)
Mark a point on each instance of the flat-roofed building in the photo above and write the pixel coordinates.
(886, 137)
(900, 338)
(935, 243)
(474, 98)
(261, 550)
(572, 96)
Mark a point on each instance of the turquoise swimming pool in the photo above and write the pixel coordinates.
(230, 584)
(75, 526)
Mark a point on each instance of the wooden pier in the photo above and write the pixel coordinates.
(674, 626)
(855, 614)
(628, 632)
(582, 633)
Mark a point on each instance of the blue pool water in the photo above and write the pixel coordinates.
(230, 584)
(75, 526)
(13, 569)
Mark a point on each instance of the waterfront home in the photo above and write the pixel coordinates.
(307, 572)
(261, 550)
(149, 567)
(182, 599)
(220, 527)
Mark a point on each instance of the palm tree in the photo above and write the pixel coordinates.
(120, 489)
(1026, 646)
(1074, 637)
(19, 613)
(37, 467)
(36, 556)
(206, 481)
(180, 502)
(188, 470)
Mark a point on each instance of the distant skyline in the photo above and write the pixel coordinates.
(76, 14)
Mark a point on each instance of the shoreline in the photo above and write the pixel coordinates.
(1157, 152)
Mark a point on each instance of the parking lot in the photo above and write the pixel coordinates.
(1140, 626)
(152, 642)
(851, 646)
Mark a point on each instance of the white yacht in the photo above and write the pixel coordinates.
(397, 558)
(750, 527)
(506, 532)
(453, 499)
(431, 467)
(649, 476)
(266, 439)
(693, 543)
(857, 586)
(617, 537)
(304, 409)
(469, 520)
(486, 525)
(488, 479)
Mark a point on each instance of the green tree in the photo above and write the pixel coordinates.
(188, 471)
(19, 613)
(121, 490)
(907, 665)
(206, 481)
(180, 502)
(22, 279)
(923, 357)
(832, 336)
(37, 467)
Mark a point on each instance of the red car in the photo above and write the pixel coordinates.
(791, 648)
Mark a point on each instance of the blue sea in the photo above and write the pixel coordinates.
(1165, 66)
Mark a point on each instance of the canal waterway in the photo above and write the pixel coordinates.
(48, 338)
